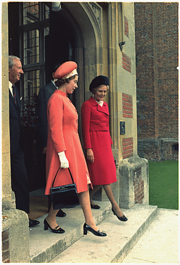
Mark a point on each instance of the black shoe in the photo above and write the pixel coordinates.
(96, 233)
(123, 218)
(95, 206)
(55, 230)
(61, 213)
(33, 222)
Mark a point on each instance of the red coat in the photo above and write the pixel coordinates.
(63, 136)
(96, 135)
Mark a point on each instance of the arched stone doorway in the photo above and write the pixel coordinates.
(74, 34)
(75, 39)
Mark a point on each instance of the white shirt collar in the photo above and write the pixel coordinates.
(54, 83)
(99, 102)
(10, 87)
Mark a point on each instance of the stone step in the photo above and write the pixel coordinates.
(73, 247)
(121, 237)
(45, 245)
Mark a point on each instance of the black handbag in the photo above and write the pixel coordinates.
(64, 196)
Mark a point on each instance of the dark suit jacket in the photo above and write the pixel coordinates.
(15, 128)
(43, 97)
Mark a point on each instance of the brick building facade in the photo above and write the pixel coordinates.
(156, 28)
(100, 37)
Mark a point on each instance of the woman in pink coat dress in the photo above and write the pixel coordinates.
(64, 148)
(97, 143)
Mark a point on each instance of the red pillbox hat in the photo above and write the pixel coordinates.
(66, 70)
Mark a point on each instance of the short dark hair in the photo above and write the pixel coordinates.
(98, 81)
(55, 67)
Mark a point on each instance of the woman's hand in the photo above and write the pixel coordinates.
(63, 160)
(90, 155)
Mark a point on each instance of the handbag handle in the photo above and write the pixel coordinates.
(69, 173)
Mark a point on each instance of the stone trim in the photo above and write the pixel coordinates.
(134, 182)
(168, 140)
(97, 11)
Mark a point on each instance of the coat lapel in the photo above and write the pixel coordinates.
(103, 109)
(13, 100)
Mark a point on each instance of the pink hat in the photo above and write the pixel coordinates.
(66, 70)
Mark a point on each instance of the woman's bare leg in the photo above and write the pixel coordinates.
(51, 218)
(93, 191)
(84, 201)
(110, 196)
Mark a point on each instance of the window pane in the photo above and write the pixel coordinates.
(31, 85)
(31, 89)
(30, 12)
(46, 12)
(31, 47)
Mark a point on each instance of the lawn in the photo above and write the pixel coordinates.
(163, 184)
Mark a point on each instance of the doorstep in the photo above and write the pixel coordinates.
(121, 238)
(45, 245)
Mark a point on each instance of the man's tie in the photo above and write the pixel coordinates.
(14, 93)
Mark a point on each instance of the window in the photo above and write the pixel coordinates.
(175, 148)
(34, 26)
(30, 12)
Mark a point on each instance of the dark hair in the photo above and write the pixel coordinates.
(62, 81)
(55, 67)
(98, 81)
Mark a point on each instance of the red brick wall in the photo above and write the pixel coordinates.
(127, 144)
(126, 62)
(126, 26)
(156, 29)
(138, 184)
(144, 70)
(127, 106)
(5, 247)
(167, 62)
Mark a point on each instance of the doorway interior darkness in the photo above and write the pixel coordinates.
(41, 38)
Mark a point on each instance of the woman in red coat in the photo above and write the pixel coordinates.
(64, 148)
(97, 142)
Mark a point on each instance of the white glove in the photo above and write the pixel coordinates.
(63, 160)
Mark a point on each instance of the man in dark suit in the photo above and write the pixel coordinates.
(43, 97)
(19, 179)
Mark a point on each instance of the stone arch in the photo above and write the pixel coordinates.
(86, 19)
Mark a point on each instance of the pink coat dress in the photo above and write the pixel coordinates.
(63, 136)
(96, 135)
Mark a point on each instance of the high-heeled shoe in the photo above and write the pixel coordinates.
(123, 218)
(95, 206)
(55, 230)
(96, 233)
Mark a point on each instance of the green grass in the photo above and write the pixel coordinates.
(163, 184)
